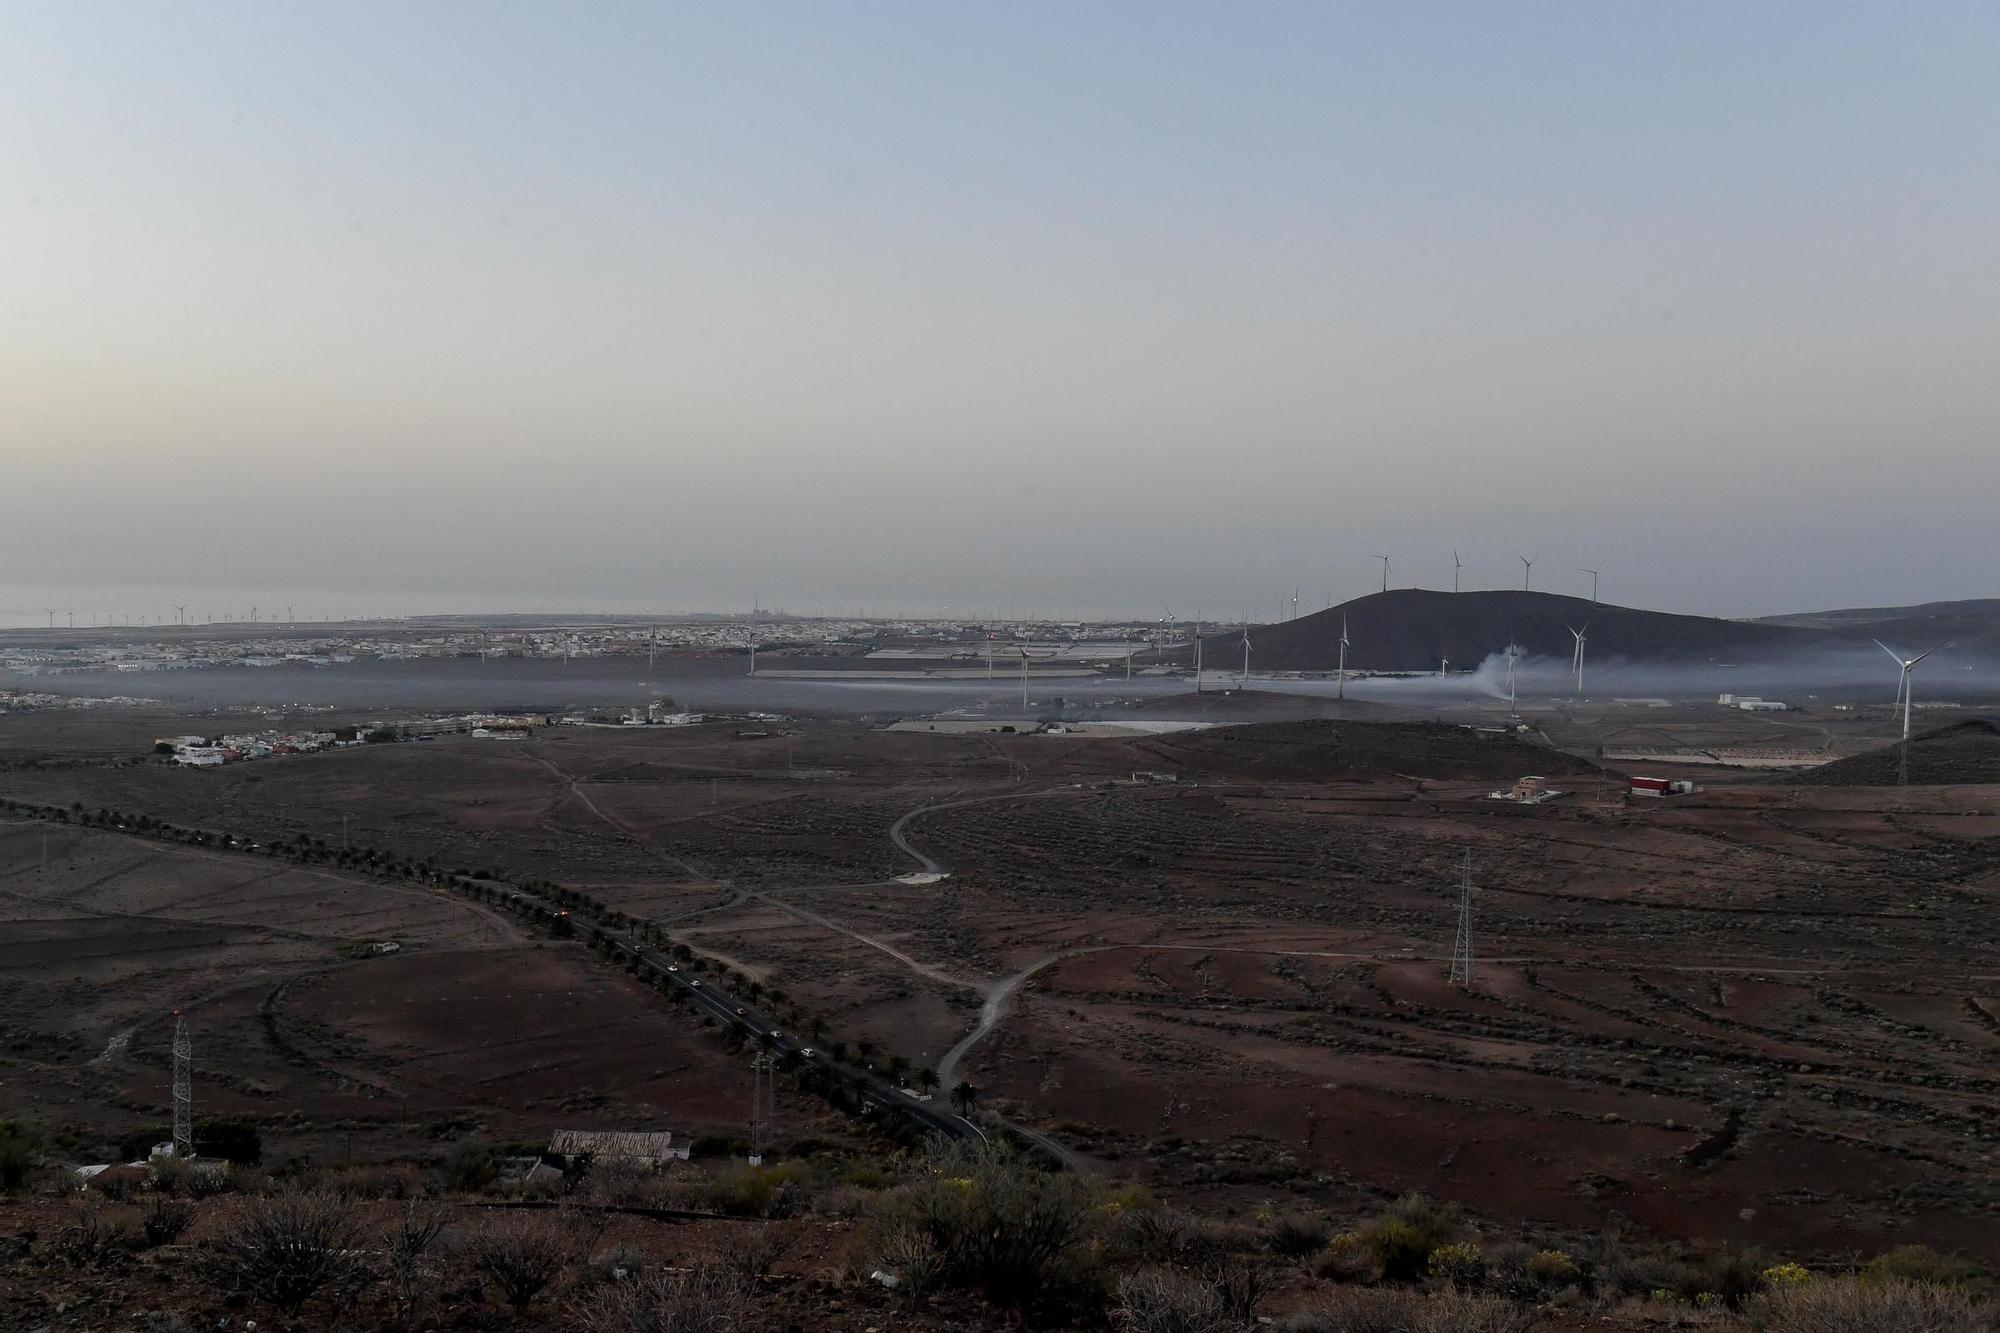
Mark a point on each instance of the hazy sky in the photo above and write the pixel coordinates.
(1068, 306)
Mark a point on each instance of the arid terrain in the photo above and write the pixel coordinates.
(1214, 961)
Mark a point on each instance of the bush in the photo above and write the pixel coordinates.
(1401, 1240)
(91, 1241)
(1850, 1305)
(1023, 1236)
(167, 1220)
(1392, 1311)
(1458, 1265)
(18, 1142)
(406, 1246)
(1347, 1259)
(469, 1169)
(285, 1249)
(1552, 1270)
(702, 1301)
(1923, 1265)
(1298, 1234)
(1778, 1277)
(759, 1191)
(1162, 1301)
(525, 1253)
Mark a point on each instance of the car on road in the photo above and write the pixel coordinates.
(739, 1011)
(694, 985)
(777, 1035)
(807, 1052)
(673, 967)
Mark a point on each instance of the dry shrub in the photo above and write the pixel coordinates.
(1402, 1239)
(406, 1247)
(1162, 1301)
(1922, 1264)
(285, 1249)
(167, 1220)
(1851, 1305)
(525, 1253)
(753, 1254)
(1390, 1310)
(1297, 1235)
(91, 1241)
(706, 1300)
(1023, 1236)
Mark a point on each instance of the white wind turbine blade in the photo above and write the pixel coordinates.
(1893, 655)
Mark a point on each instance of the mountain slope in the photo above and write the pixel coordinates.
(1973, 624)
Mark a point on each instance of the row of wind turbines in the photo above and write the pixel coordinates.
(1458, 567)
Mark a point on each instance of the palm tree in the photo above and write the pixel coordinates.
(963, 1096)
(898, 1066)
(927, 1079)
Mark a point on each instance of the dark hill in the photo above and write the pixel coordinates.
(1319, 749)
(1409, 629)
(1972, 625)
(1965, 752)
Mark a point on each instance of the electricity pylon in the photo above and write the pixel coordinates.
(763, 1103)
(1461, 952)
(183, 1089)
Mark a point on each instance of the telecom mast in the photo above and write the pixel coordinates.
(183, 1089)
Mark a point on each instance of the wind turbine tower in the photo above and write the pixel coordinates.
(1903, 688)
(1593, 581)
(1527, 568)
(1385, 570)
(1461, 950)
(1246, 657)
(1576, 660)
(1341, 689)
(1455, 567)
(180, 615)
(183, 1089)
(1513, 656)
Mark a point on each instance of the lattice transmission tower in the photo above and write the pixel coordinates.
(763, 1103)
(183, 1089)
(1461, 951)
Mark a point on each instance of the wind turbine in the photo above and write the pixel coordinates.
(1246, 657)
(1527, 567)
(1576, 660)
(1455, 567)
(52, 618)
(1342, 690)
(180, 615)
(1385, 570)
(1513, 656)
(1903, 686)
(1593, 581)
(1197, 652)
(1295, 603)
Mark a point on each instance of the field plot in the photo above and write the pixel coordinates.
(1217, 959)
(297, 1023)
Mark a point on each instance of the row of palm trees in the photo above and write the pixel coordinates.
(306, 848)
